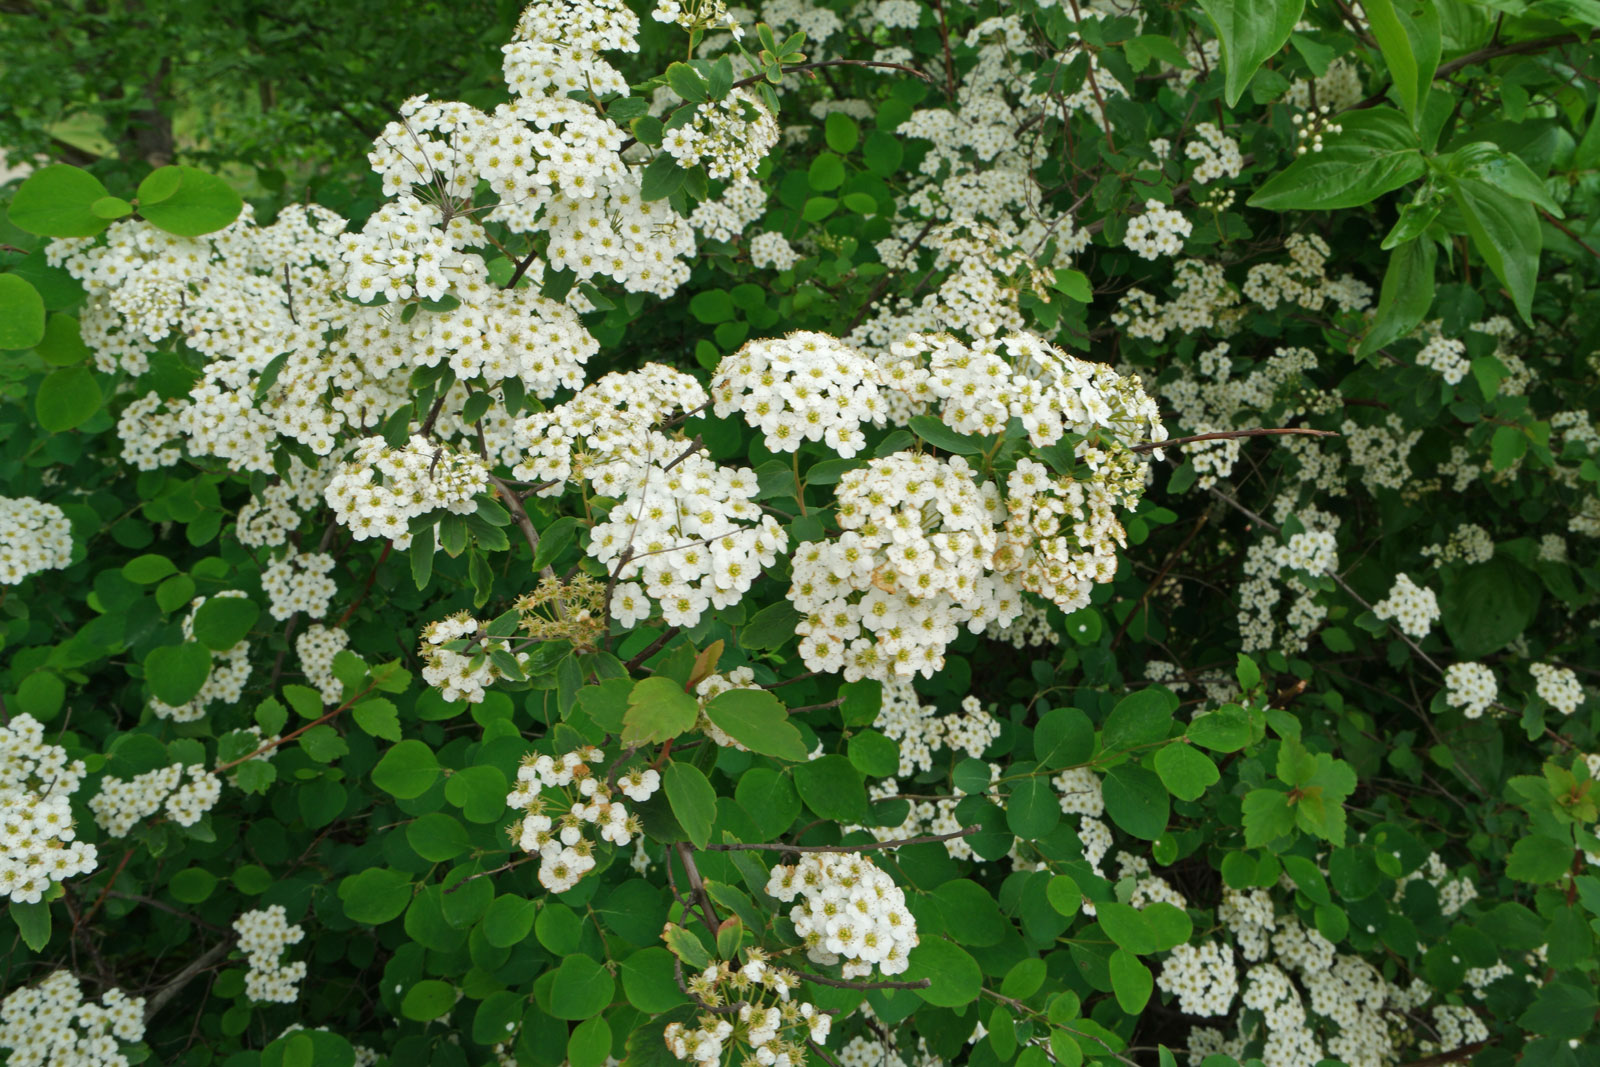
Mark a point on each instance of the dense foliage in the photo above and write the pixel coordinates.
(852, 532)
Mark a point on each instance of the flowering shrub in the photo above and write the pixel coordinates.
(851, 532)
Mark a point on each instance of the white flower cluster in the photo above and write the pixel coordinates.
(1455, 888)
(731, 136)
(771, 250)
(803, 387)
(456, 657)
(263, 935)
(37, 839)
(1079, 791)
(230, 669)
(407, 250)
(317, 646)
(724, 218)
(1270, 564)
(682, 534)
(121, 803)
(1557, 686)
(920, 730)
(1031, 629)
(52, 1024)
(34, 537)
(379, 489)
(1216, 153)
(557, 47)
(1471, 687)
(1445, 355)
(1457, 1026)
(1413, 608)
(559, 797)
(752, 1007)
(927, 548)
(1470, 543)
(698, 15)
(1304, 279)
(298, 582)
(1160, 231)
(1203, 978)
(847, 910)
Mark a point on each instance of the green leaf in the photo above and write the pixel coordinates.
(1131, 981)
(874, 755)
(1410, 47)
(1225, 730)
(437, 837)
(1032, 810)
(33, 923)
(769, 628)
(378, 717)
(662, 178)
(1561, 1010)
(192, 885)
(177, 673)
(694, 802)
(1139, 718)
(590, 1043)
(826, 174)
(201, 203)
(1488, 606)
(687, 83)
(841, 132)
(67, 398)
(407, 770)
(22, 323)
(1375, 153)
(648, 982)
(940, 436)
(41, 695)
(58, 201)
(1064, 737)
(1136, 801)
(1250, 32)
(1186, 771)
(62, 344)
(1537, 859)
(1024, 979)
(1126, 927)
(428, 999)
(375, 896)
(1064, 895)
(508, 920)
(711, 306)
(581, 989)
(833, 789)
(658, 709)
(111, 207)
(224, 621)
(1505, 230)
(1406, 296)
(1508, 445)
(955, 977)
(758, 720)
(1267, 816)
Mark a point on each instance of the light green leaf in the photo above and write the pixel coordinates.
(1406, 296)
(757, 720)
(57, 201)
(177, 672)
(67, 398)
(1251, 32)
(1131, 981)
(22, 323)
(407, 770)
(201, 203)
(1185, 770)
(581, 989)
(694, 802)
(1136, 801)
(1375, 153)
(658, 709)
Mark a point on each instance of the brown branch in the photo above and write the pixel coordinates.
(929, 839)
(652, 648)
(388, 546)
(1172, 558)
(845, 983)
(944, 40)
(433, 414)
(1579, 241)
(697, 886)
(269, 746)
(802, 67)
(1483, 55)
(1222, 435)
(175, 984)
(522, 268)
(168, 908)
(1465, 1052)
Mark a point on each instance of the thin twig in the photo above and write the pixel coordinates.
(652, 648)
(1223, 435)
(845, 983)
(175, 984)
(928, 839)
